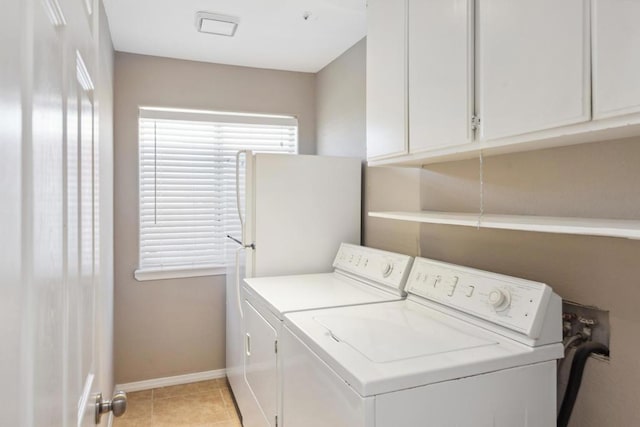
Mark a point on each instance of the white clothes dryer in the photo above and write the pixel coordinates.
(361, 276)
(466, 348)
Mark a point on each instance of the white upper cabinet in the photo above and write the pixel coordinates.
(386, 78)
(616, 57)
(446, 78)
(532, 65)
(440, 73)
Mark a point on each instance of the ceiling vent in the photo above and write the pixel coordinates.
(213, 23)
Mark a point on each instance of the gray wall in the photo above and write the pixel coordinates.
(173, 327)
(596, 180)
(341, 131)
(599, 180)
(340, 104)
(592, 180)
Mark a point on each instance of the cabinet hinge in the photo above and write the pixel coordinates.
(275, 346)
(475, 122)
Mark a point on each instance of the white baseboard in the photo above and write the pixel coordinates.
(168, 381)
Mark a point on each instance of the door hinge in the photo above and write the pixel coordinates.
(275, 346)
(276, 421)
(475, 122)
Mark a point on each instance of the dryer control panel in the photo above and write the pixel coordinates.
(385, 268)
(517, 304)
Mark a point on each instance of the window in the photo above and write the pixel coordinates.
(187, 162)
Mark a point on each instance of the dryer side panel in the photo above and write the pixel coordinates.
(260, 361)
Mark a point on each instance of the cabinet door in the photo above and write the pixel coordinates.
(386, 78)
(616, 57)
(533, 65)
(440, 73)
(261, 368)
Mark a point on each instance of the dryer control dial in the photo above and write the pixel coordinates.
(499, 299)
(386, 268)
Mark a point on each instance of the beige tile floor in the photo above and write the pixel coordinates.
(201, 404)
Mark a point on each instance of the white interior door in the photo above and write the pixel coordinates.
(83, 290)
(12, 291)
(532, 65)
(82, 221)
(43, 219)
(51, 218)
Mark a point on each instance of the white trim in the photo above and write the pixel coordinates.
(604, 129)
(144, 275)
(110, 419)
(157, 113)
(169, 381)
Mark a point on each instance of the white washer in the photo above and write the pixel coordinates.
(466, 348)
(362, 276)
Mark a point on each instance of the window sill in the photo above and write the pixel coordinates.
(178, 273)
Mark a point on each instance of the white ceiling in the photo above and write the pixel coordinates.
(271, 33)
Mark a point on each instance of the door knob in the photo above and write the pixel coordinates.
(117, 405)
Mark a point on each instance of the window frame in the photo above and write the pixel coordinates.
(189, 115)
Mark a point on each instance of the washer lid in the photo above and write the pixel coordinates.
(390, 346)
(391, 339)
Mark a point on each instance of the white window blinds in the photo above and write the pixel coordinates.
(187, 184)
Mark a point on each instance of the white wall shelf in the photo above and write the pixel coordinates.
(628, 229)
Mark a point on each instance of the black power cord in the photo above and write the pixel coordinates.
(580, 358)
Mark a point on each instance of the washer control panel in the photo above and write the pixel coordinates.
(386, 268)
(514, 303)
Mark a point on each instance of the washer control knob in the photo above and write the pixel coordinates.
(499, 299)
(386, 268)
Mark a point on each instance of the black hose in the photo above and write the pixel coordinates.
(575, 378)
